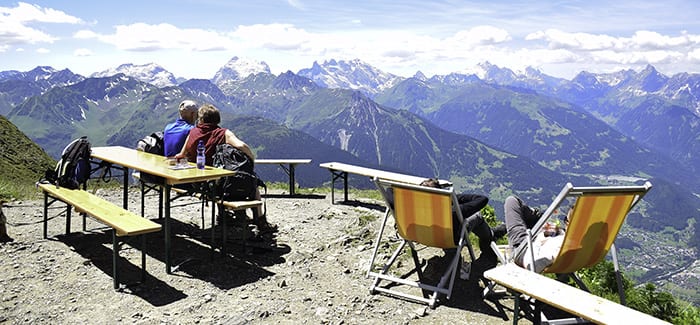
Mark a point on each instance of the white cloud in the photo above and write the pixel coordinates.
(654, 41)
(694, 55)
(85, 34)
(25, 12)
(145, 37)
(43, 50)
(273, 36)
(558, 39)
(14, 23)
(480, 35)
(82, 52)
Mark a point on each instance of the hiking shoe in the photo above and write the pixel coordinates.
(267, 228)
(499, 231)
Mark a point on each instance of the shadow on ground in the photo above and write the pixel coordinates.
(243, 262)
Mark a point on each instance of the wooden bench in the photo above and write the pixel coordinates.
(341, 170)
(122, 222)
(288, 165)
(564, 297)
(233, 206)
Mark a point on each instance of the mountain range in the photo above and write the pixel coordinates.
(488, 130)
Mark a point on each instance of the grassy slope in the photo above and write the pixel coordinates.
(22, 162)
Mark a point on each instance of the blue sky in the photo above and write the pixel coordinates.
(193, 39)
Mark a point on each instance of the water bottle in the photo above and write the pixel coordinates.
(200, 155)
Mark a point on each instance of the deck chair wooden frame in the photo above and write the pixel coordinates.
(594, 222)
(422, 215)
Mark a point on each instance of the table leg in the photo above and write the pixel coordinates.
(125, 194)
(345, 185)
(335, 175)
(332, 187)
(166, 233)
(291, 179)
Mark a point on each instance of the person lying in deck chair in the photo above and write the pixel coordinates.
(470, 204)
(546, 245)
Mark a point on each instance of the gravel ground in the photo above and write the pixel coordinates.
(313, 270)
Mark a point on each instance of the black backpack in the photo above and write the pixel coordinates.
(73, 169)
(239, 187)
(154, 144)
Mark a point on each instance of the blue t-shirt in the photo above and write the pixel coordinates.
(174, 136)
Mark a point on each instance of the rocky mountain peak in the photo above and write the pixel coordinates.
(151, 73)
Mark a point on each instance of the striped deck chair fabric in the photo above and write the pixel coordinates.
(594, 223)
(422, 215)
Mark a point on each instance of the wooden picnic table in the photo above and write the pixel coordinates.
(288, 165)
(341, 170)
(128, 158)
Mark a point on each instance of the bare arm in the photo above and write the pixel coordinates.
(233, 140)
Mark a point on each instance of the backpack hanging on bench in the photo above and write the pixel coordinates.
(73, 169)
(242, 185)
(154, 144)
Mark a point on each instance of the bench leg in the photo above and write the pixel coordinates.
(46, 212)
(143, 258)
(69, 211)
(115, 259)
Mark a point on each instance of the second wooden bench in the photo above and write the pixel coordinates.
(122, 222)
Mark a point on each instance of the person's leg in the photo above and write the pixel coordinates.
(515, 224)
(477, 225)
(262, 218)
(471, 203)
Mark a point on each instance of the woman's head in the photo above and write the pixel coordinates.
(209, 114)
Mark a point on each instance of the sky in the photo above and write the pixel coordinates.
(195, 38)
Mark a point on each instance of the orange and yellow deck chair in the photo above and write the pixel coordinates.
(594, 221)
(422, 216)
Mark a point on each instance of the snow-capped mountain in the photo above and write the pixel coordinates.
(353, 74)
(150, 73)
(48, 77)
(236, 70)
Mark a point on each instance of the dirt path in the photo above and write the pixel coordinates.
(312, 271)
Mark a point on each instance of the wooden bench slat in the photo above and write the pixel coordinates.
(124, 222)
(236, 205)
(566, 297)
(229, 204)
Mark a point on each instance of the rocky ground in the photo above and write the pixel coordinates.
(311, 271)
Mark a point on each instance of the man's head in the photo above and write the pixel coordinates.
(209, 114)
(188, 111)
(431, 182)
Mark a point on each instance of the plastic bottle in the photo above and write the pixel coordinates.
(200, 155)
